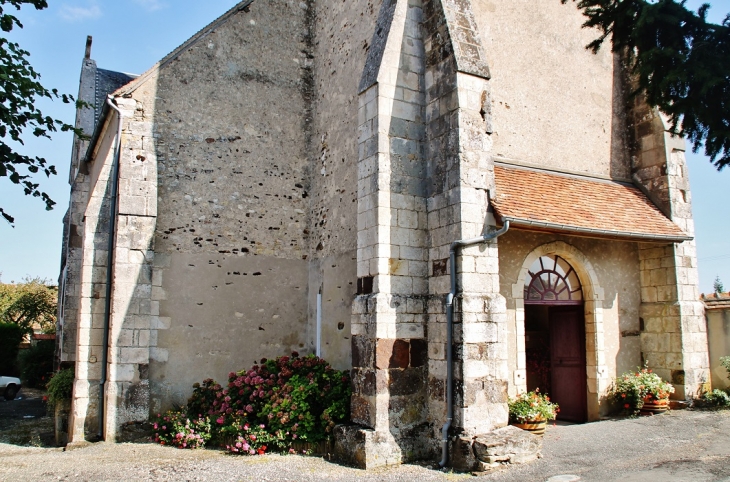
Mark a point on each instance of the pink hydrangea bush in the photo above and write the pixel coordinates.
(254, 440)
(272, 405)
(177, 430)
(296, 398)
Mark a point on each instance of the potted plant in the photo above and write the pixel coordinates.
(641, 391)
(531, 411)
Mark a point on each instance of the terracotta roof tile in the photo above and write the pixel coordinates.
(560, 203)
(717, 301)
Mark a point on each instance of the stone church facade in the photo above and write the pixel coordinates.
(298, 176)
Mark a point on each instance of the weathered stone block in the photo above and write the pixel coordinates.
(509, 444)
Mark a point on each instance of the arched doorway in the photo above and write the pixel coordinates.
(555, 338)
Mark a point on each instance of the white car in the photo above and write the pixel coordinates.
(9, 387)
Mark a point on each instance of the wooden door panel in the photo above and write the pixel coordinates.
(568, 362)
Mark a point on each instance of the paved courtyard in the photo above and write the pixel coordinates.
(679, 446)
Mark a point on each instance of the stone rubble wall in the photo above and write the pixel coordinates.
(213, 203)
(341, 41)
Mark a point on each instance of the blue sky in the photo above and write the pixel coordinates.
(130, 36)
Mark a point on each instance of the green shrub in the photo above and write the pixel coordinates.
(60, 386)
(10, 337)
(36, 363)
(715, 399)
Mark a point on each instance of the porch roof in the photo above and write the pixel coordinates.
(541, 201)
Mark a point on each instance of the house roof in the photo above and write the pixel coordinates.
(538, 200)
(717, 301)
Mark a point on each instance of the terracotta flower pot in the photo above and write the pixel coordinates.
(536, 427)
(654, 407)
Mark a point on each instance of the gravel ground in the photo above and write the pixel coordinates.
(679, 446)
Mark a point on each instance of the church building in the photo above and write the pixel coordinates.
(453, 199)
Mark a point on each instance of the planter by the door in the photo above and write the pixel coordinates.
(535, 427)
(654, 407)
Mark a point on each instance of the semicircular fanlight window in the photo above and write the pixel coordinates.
(552, 281)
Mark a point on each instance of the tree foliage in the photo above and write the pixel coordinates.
(717, 285)
(680, 61)
(29, 304)
(20, 87)
(10, 338)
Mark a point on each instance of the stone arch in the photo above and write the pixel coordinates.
(596, 369)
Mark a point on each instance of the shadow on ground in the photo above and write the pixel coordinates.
(25, 421)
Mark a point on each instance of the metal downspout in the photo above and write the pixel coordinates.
(109, 266)
(449, 334)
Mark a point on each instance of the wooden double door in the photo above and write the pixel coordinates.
(568, 378)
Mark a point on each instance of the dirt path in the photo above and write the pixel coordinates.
(679, 446)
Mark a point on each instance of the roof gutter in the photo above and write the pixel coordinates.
(592, 232)
(455, 246)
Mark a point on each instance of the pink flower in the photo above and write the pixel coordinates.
(220, 420)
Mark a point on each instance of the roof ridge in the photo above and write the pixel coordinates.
(199, 35)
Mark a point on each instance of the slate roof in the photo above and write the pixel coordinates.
(543, 201)
(107, 81)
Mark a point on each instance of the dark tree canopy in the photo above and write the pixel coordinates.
(30, 304)
(680, 61)
(19, 88)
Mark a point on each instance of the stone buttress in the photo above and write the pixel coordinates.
(425, 174)
(673, 329)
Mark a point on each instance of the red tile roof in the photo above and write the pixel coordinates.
(542, 201)
(717, 301)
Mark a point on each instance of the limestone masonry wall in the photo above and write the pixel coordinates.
(555, 104)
